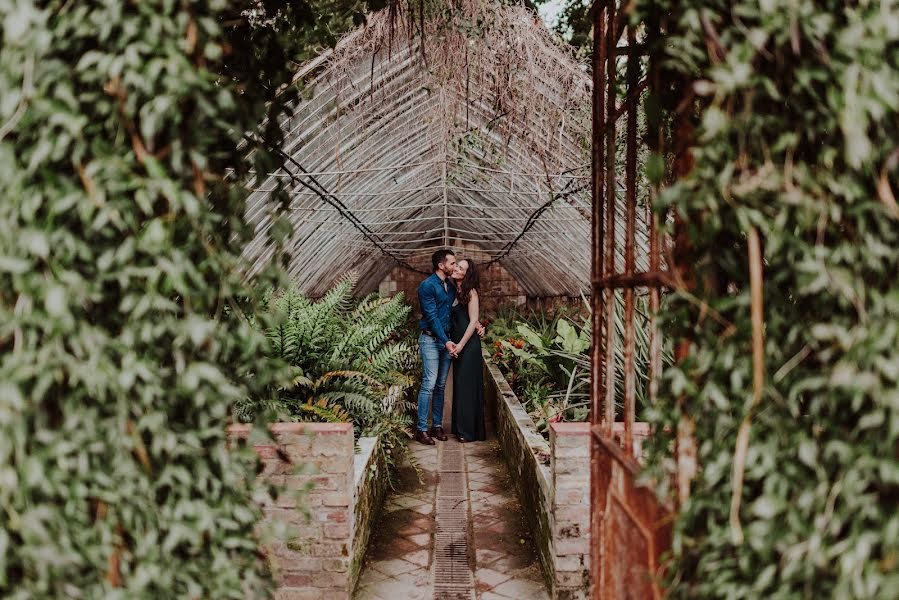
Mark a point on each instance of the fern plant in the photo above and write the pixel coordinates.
(346, 356)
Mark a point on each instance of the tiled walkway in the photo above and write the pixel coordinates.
(399, 563)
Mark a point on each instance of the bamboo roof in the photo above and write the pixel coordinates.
(470, 127)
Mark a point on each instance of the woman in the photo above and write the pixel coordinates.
(468, 374)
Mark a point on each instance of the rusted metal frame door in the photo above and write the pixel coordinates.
(629, 528)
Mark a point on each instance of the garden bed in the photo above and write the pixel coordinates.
(552, 479)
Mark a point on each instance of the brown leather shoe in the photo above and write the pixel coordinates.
(424, 438)
(437, 432)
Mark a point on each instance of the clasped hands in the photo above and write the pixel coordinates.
(456, 349)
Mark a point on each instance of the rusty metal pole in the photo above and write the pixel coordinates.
(596, 294)
(656, 142)
(598, 178)
(610, 202)
(630, 361)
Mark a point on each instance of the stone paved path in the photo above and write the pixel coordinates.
(399, 562)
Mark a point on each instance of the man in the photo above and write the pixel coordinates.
(435, 296)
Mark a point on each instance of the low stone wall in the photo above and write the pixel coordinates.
(527, 456)
(553, 484)
(370, 482)
(315, 532)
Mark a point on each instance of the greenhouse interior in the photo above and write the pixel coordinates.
(450, 299)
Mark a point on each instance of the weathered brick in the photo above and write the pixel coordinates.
(563, 531)
(285, 515)
(582, 592)
(576, 467)
(330, 550)
(311, 501)
(571, 513)
(571, 452)
(324, 579)
(337, 516)
(288, 560)
(570, 578)
(287, 499)
(337, 531)
(336, 500)
(295, 579)
(336, 565)
(268, 452)
(331, 467)
(573, 545)
(574, 562)
(298, 594)
(577, 494)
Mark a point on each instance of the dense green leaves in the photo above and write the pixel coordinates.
(546, 358)
(120, 301)
(797, 126)
(345, 355)
(348, 363)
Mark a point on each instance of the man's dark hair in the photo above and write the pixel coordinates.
(439, 256)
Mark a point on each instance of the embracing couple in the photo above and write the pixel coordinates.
(450, 334)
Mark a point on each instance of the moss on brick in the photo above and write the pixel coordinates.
(521, 451)
(369, 502)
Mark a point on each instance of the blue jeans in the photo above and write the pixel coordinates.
(435, 364)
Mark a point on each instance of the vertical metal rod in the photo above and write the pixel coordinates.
(656, 142)
(685, 448)
(630, 363)
(596, 298)
(598, 176)
(611, 193)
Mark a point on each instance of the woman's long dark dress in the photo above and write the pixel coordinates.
(468, 381)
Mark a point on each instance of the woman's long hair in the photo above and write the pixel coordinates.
(471, 281)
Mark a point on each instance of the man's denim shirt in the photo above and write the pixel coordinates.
(436, 305)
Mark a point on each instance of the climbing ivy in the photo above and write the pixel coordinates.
(797, 106)
(121, 289)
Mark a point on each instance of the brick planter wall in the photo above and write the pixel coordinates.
(570, 516)
(370, 482)
(527, 457)
(553, 484)
(314, 544)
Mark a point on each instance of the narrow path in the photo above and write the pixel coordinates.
(457, 534)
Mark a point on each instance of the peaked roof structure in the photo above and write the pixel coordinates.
(466, 128)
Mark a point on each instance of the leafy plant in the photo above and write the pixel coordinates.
(548, 361)
(797, 116)
(347, 358)
(120, 244)
(343, 353)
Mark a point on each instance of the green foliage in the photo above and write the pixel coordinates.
(575, 23)
(798, 122)
(547, 360)
(121, 342)
(347, 359)
(344, 353)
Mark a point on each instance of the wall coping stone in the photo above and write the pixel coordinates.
(244, 429)
(362, 457)
(571, 428)
(527, 430)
